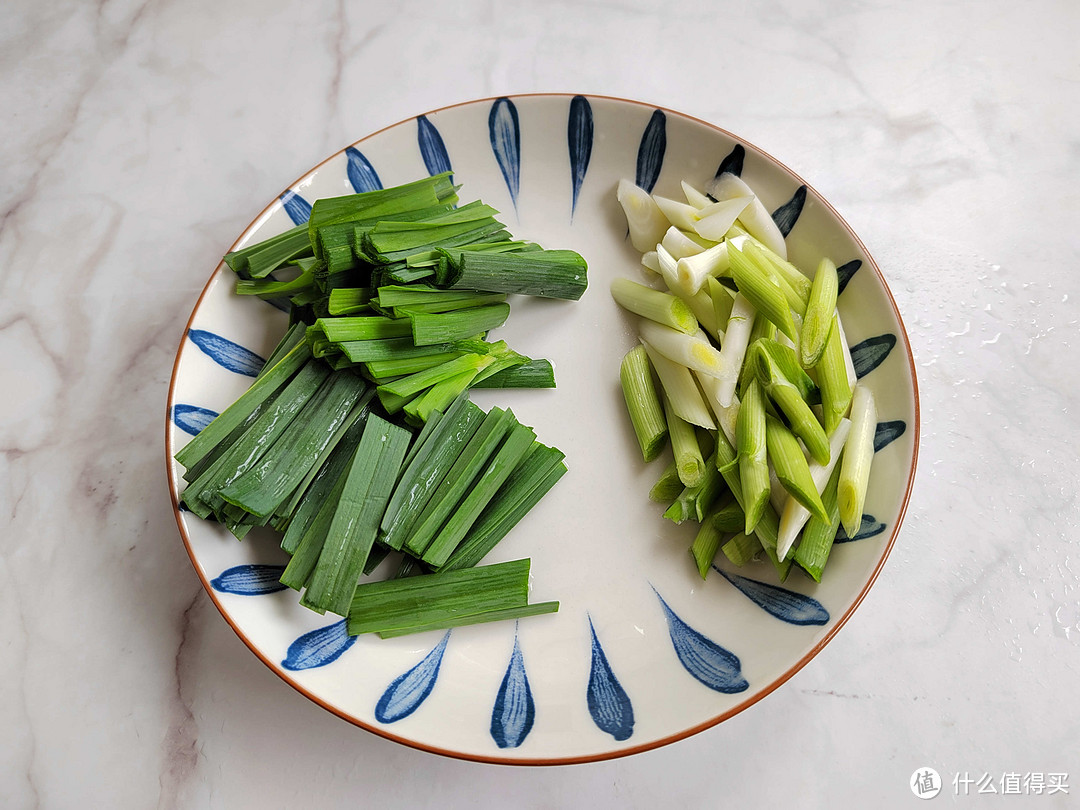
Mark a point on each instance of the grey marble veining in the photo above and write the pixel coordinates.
(139, 139)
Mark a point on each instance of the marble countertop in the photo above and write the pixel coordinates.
(141, 137)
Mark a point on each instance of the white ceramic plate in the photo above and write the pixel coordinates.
(642, 651)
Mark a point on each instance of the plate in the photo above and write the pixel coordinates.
(642, 652)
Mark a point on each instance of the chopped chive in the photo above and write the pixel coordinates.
(530, 374)
(366, 351)
(264, 486)
(438, 397)
(791, 468)
(262, 258)
(363, 327)
(818, 537)
(309, 542)
(417, 382)
(858, 455)
(349, 300)
(421, 601)
(383, 203)
(753, 464)
(655, 305)
(643, 403)
(518, 442)
(819, 314)
(268, 383)
(427, 470)
(444, 327)
(368, 483)
(433, 307)
(527, 484)
(460, 477)
(535, 609)
(546, 273)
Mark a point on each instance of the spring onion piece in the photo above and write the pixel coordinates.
(818, 537)
(791, 467)
(742, 548)
(644, 218)
(762, 292)
(753, 466)
(858, 455)
(725, 417)
(733, 349)
(680, 244)
(643, 403)
(757, 219)
(682, 392)
(695, 270)
(716, 219)
(796, 294)
(795, 515)
(849, 364)
(368, 484)
(679, 214)
(668, 486)
(706, 543)
(685, 448)
(662, 307)
(691, 351)
(693, 196)
(651, 261)
(768, 365)
(833, 379)
(723, 300)
(817, 323)
(429, 330)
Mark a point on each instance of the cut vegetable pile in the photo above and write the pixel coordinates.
(743, 369)
(358, 439)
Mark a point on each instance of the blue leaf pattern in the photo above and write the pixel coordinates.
(191, 418)
(869, 527)
(227, 354)
(788, 606)
(362, 175)
(514, 712)
(888, 432)
(579, 136)
(650, 156)
(717, 668)
(844, 273)
(298, 209)
(871, 353)
(318, 648)
(608, 702)
(432, 148)
(505, 135)
(408, 691)
(787, 214)
(250, 580)
(733, 163)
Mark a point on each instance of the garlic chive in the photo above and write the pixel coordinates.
(428, 330)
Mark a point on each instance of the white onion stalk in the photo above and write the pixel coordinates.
(755, 217)
(694, 197)
(650, 261)
(795, 515)
(725, 417)
(681, 215)
(848, 363)
(733, 349)
(644, 218)
(858, 455)
(680, 245)
(693, 351)
(716, 219)
(700, 302)
(682, 392)
(693, 270)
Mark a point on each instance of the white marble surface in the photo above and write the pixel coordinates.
(139, 139)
